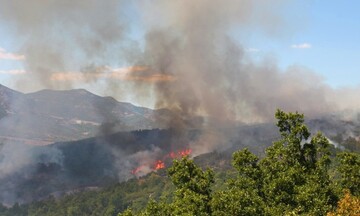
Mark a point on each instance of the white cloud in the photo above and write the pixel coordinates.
(13, 72)
(10, 56)
(301, 46)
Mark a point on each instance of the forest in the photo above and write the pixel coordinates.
(299, 174)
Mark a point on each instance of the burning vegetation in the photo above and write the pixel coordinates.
(161, 163)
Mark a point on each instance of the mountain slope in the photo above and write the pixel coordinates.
(7, 96)
(34, 172)
(49, 116)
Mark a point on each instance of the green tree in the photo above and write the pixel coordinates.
(193, 193)
(193, 188)
(243, 194)
(291, 179)
(350, 172)
(127, 212)
(295, 172)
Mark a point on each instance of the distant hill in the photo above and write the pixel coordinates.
(90, 141)
(34, 172)
(6, 98)
(50, 116)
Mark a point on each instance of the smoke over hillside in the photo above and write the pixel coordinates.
(177, 54)
(181, 56)
(184, 58)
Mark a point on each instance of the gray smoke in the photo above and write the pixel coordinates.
(190, 63)
(186, 60)
(14, 157)
(17, 163)
(212, 77)
(64, 35)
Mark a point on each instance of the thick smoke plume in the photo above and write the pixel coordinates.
(178, 53)
(188, 61)
(65, 35)
(212, 75)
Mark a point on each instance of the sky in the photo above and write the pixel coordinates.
(321, 36)
(325, 39)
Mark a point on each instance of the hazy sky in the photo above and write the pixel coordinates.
(322, 36)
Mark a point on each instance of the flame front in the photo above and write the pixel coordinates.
(160, 164)
(179, 154)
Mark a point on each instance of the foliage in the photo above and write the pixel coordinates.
(296, 176)
(243, 195)
(107, 201)
(350, 171)
(193, 191)
(292, 179)
(350, 143)
(348, 206)
(193, 188)
(292, 173)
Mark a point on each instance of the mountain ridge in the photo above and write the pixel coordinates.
(51, 116)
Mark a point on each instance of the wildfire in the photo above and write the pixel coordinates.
(137, 170)
(184, 152)
(160, 164)
(179, 154)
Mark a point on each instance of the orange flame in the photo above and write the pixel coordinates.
(179, 154)
(137, 170)
(160, 164)
(184, 153)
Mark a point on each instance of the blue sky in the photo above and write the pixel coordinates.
(323, 36)
(332, 31)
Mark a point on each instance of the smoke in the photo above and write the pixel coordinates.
(18, 164)
(179, 53)
(184, 56)
(64, 35)
(191, 42)
(14, 157)
(140, 163)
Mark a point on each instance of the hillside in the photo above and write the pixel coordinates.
(34, 172)
(280, 183)
(51, 116)
(118, 196)
(101, 141)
